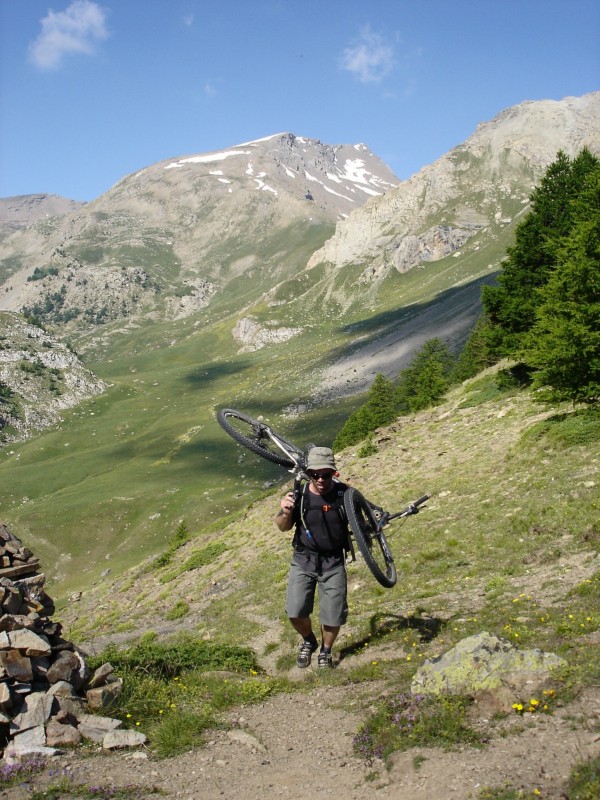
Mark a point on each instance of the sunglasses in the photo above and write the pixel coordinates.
(323, 476)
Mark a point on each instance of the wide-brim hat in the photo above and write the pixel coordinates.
(320, 458)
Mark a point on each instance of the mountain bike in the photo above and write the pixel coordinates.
(365, 519)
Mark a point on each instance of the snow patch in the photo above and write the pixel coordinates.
(206, 159)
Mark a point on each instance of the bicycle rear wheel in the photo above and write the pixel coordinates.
(371, 542)
(258, 437)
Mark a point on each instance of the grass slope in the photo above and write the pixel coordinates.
(514, 514)
(110, 484)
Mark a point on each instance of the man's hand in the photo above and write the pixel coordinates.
(283, 520)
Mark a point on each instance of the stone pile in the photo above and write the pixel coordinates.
(47, 692)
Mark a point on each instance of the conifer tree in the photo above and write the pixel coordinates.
(380, 409)
(427, 379)
(564, 343)
(511, 305)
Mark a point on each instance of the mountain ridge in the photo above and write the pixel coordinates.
(176, 329)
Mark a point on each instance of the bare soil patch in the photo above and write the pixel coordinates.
(299, 744)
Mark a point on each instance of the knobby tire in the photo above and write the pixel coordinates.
(256, 436)
(371, 542)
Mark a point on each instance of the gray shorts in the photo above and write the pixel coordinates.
(333, 602)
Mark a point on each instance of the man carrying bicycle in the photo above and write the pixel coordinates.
(320, 543)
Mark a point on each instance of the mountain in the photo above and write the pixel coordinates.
(215, 280)
(166, 239)
(480, 185)
(19, 212)
(39, 378)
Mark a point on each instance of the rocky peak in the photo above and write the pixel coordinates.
(19, 212)
(481, 184)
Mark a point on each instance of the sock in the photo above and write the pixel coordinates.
(325, 649)
(311, 640)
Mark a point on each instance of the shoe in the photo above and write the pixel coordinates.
(305, 652)
(325, 660)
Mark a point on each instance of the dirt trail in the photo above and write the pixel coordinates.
(301, 744)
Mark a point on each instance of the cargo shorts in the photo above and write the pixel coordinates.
(333, 594)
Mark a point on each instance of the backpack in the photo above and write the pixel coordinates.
(330, 531)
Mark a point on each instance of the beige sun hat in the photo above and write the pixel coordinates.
(320, 458)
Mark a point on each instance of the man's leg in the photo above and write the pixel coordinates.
(299, 606)
(303, 625)
(329, 635)
(333, 590)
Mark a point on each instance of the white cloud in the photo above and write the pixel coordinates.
(209, 89)
(75, 30)
(188, 20)
(370, 59)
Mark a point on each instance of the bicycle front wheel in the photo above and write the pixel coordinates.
(259, 438)
(371, 542)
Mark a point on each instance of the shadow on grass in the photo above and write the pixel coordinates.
(381, 625)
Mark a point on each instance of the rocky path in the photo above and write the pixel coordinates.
(296, 745)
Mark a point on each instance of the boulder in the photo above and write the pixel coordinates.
(62, 734)
(100, 676)
(36, 710)
(486, 663)
(104, 696)
(118, 739)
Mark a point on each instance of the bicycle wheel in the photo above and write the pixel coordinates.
(371, 542)
(258, 437)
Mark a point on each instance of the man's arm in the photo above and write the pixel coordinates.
(283, 518)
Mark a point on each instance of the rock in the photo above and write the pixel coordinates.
(16, 665)
(65, 668)
(15, 752)
(62, 735)
(95, 728)
(489, 702)
(36, 711)
(104, 696)
(12, 601)
(65, 717)
(12, 622)
(248, 740)
(27, 641)
(32, 737)
(6, 697)
(117, 739)
(62, 689)
(482, 663)
(100, 675)
(104, 723)
(73, 705)
(33, 654)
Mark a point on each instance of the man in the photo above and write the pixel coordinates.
(319, 559)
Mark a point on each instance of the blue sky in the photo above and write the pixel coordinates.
(92, 90)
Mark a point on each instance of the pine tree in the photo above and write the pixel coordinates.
(511, 305)
(564, 343)
(477, 353)
(427, 379)
(380, 409)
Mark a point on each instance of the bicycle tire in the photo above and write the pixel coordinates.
(252, 434)
(371, 542)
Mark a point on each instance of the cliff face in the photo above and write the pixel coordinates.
(39, 378)
(481, 184)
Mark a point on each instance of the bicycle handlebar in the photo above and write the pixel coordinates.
(412, 508)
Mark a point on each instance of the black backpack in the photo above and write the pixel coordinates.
(340, 538)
